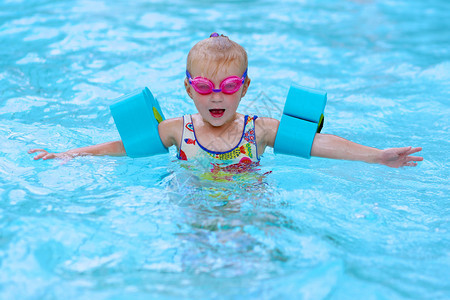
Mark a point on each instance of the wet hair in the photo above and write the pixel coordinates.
(216, 52)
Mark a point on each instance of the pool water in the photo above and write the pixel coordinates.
(122, 228)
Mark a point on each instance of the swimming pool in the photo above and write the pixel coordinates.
(121, 228)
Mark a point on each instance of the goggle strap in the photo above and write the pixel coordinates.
(189, 77)
(244, 75)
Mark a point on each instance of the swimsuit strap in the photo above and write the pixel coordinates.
(187, 138)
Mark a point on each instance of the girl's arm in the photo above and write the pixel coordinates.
(111, 148)
(266, 131)
(331, 146)
(169, 132)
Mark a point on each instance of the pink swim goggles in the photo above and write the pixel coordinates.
(204, 86)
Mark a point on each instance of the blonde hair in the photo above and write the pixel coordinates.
(216, 52)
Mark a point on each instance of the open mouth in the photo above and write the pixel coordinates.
(217, 113)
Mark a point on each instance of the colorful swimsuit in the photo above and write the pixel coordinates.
(243, 155)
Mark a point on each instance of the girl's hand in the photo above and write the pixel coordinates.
(44, 154)
(399, 157)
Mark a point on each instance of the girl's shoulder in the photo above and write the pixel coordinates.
(168, 124)
(266, 123)
(170, 131)
(266, 130)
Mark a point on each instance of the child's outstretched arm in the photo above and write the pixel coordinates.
(169, 132)
(331, 146)
(111, 148)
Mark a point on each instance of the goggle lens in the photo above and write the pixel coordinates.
(202, 86)
(231, 85)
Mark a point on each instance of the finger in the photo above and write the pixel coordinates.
(36, 150)
(40, 155)
(410, 164)
(414, 158)
(402, 150)
(49, 156)
(414, 150)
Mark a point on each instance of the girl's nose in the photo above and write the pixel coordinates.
(216, 97)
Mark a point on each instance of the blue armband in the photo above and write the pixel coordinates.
(302, 118)
(137, 116)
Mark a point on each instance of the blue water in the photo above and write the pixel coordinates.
(122, 228)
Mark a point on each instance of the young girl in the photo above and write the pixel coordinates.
(216, 80)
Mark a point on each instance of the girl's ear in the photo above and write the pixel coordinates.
(246, 84)
(188, 88)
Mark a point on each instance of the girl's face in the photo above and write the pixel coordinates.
(217, 108)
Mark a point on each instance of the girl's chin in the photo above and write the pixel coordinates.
(217, 121)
